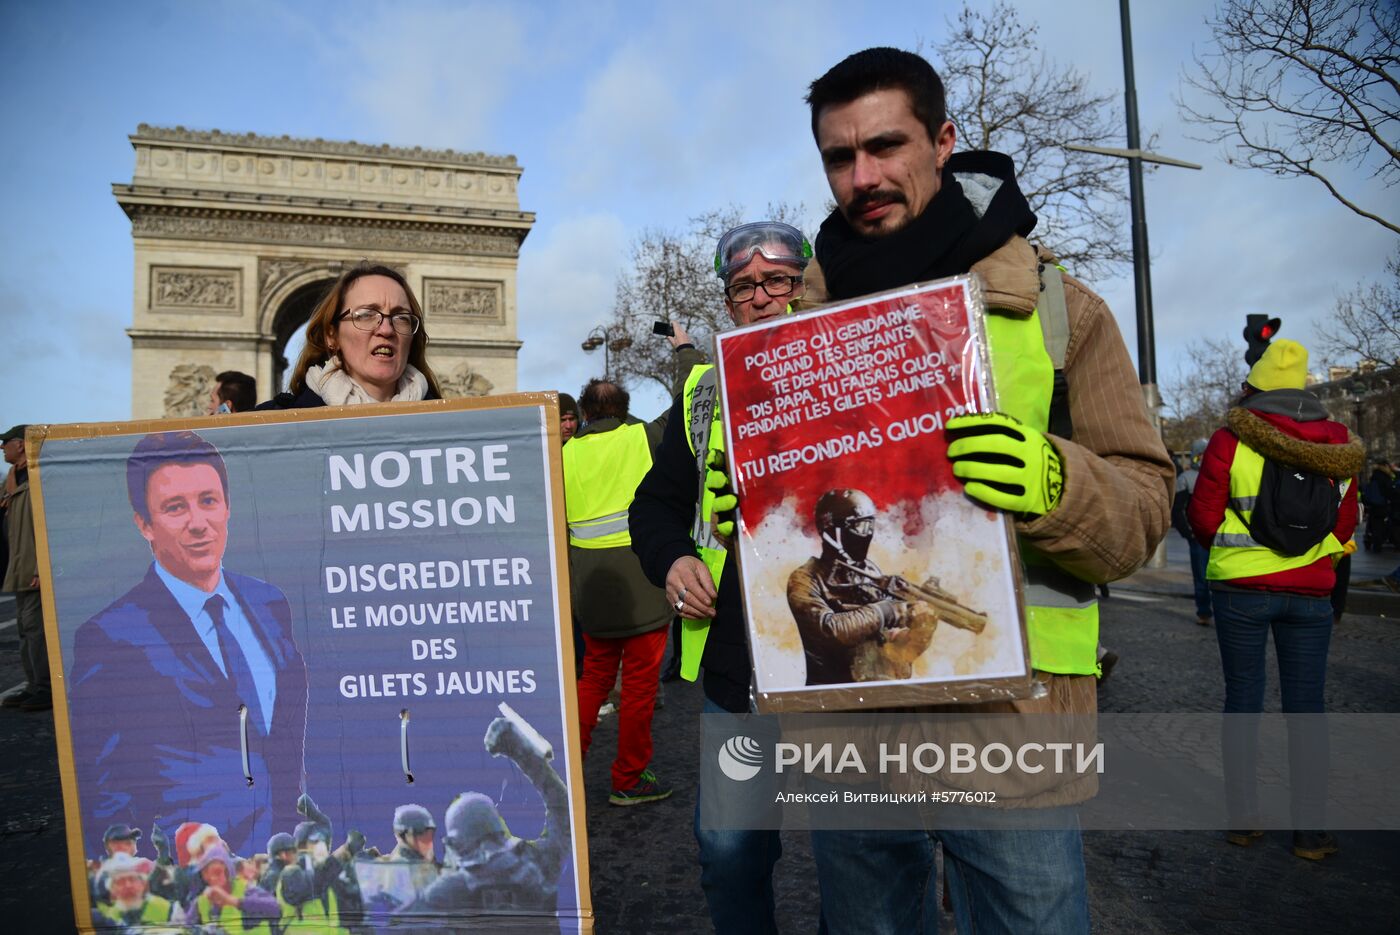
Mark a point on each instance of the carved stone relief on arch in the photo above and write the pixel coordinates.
(187, 390)
(471, 299)
(462, 381)
(195, 290)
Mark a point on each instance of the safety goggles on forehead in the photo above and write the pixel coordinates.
(777, 242)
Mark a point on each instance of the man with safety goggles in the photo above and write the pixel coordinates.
(675, 533)
(762, 266)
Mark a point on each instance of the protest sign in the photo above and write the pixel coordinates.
(869, 578)
(331, 637)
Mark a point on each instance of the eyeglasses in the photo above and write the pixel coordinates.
(774, 286)
(368, 319)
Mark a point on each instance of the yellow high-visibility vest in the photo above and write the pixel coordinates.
(319, 915)
(1062, 612)
(601, 474)
(705, 433)
(1234, 553)
(156, 911)
(204, 907)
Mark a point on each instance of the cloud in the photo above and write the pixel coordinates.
(431, 76)
(621, 134)
(72, 365)
(566, 281)
(663, 118)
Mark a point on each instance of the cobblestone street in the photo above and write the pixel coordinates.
(643, 859)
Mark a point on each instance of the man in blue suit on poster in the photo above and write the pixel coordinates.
(190, 673)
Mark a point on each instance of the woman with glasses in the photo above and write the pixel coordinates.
(365, 343)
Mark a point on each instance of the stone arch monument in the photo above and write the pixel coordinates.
(237, 236)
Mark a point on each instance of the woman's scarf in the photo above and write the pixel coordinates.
(338, 388)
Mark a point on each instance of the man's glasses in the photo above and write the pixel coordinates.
(368, 319)
(774, 286)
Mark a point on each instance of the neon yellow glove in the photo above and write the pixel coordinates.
(1005, 464)
(725, 502)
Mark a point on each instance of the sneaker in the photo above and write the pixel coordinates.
(38, 702)
(647, 789)
(1392, 583)
(1203, 620)
(1106, 664)
(1313, 845)
(611, 705)
(1243, 838)
(16, 699)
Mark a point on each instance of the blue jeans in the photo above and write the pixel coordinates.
(1200, 555)
(1006, 881)
(1302, 628)
(736, 869)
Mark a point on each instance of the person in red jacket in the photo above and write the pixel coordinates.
(1256, 589)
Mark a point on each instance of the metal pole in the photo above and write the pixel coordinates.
(1142, 261)
(1142, 277)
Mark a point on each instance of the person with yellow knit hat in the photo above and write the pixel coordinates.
(1257, 588)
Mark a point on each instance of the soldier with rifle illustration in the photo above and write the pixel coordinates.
(857, 624)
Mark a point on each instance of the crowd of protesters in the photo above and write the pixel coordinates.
(1083, 474)
(304, 882)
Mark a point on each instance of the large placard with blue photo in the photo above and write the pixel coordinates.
(312, 667)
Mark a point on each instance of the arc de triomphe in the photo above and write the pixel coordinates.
(237, 236)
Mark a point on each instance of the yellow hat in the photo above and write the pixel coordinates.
(1284, 366)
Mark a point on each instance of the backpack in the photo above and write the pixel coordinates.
(1295, 509)
(1180, 503)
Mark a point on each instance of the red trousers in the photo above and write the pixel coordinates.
(640, 660)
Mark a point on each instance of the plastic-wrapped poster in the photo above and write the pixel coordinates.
(309, 669)
(869, 578)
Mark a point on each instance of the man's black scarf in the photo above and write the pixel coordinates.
(943, 241)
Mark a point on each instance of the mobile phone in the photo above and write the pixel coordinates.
(223, 409)
(663, 327)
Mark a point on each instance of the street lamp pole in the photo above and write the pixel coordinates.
(1142, 277)
(609, 339)
(1142, 267)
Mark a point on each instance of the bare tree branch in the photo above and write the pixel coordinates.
(1365, 325)
(1004, 94)
(1204, 387)
(1300, 87)
(672, 276)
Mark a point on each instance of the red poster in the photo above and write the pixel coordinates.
(869, 577)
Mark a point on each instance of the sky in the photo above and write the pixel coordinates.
(624, 116)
